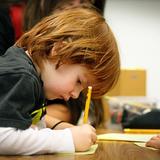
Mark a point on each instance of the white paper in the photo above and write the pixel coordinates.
(126, 137)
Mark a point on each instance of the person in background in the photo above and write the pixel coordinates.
(34, 12)
(58, 58)
(11, 19)
(10, 23)
(59, 108)
(6, 30)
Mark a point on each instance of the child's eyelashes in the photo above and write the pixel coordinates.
(82, 82)
(79, 81)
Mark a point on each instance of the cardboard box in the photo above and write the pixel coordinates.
(132, 82)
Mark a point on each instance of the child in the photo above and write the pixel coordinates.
(58, 58)
(71, 110)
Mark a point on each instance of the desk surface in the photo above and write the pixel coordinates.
(107, 150)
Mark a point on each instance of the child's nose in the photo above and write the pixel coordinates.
(75, 94)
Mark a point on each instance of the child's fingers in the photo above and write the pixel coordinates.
(92, 128)
(94, 138)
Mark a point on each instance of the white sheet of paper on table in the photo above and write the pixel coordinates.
(126, 137)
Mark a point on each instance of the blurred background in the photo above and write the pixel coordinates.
(136, 26)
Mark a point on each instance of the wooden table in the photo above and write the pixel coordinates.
(107, 150)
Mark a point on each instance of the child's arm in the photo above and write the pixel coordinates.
(154, 142)
(59, 111)
(51, 121)
(35, 141)
(83, 136)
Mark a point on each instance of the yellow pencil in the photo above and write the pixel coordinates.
(145, 131)
(88, 101)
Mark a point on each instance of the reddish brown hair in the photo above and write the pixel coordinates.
(80, 36)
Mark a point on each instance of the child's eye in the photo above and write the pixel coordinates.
(79, 81)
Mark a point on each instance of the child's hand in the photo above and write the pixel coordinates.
(83, 136)
(154, 142)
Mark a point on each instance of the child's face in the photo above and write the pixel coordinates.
(65, 82)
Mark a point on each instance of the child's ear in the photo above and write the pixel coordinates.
(54, 50)
(56, 47)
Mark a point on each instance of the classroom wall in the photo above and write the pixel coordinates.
(136, 24)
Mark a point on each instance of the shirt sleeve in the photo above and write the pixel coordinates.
(35, 141)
